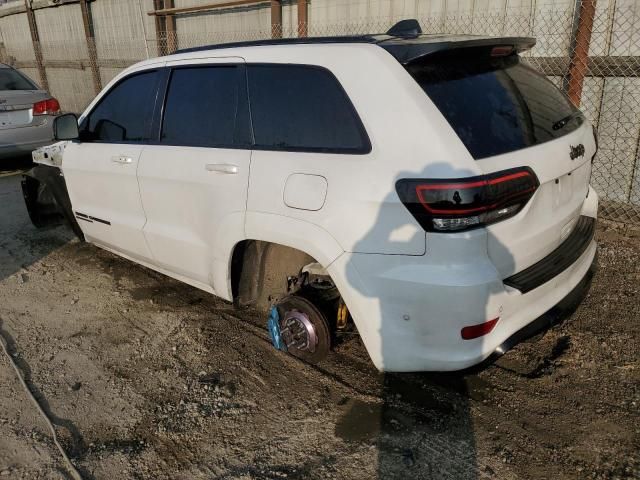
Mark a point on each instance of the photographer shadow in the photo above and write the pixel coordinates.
(422, 426)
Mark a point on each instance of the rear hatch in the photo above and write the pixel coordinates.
(509, 116)
(17, 96)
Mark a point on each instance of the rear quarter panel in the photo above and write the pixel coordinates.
(409, 138)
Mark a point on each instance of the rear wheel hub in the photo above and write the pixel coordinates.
(303, 329)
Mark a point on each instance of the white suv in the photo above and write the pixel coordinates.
(433, 189)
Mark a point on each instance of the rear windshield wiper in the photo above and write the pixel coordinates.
(563, 121)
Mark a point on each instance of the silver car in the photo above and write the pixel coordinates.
(26, 114)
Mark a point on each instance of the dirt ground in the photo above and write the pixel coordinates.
(147, 378)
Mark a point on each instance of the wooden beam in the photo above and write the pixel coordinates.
(303, 19)
(580, 54)
(35, 39)
(276, 18)
(87, 21)
(202, 8)
(16, 8)
(75, 64)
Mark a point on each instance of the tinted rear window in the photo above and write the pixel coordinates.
(12, 80)
(496, 105)
(303, 108)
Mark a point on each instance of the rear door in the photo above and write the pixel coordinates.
(100, 169)
(508, 115)
(193, 183)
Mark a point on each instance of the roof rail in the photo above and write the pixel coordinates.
(284, 41)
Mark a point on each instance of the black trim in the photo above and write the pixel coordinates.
(90, 219)
(158, 107)
(558, 260)
(99, 220)
(284, 41)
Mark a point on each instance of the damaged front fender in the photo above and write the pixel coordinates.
(47, 199)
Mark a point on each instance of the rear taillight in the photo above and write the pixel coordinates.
(458, 204)
(46, 107)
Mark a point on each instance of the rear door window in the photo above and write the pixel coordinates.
(124, 114)
(206, 107)
(303, 108)
(495, 105)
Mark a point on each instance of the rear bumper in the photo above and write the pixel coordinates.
(410, 310)
(23, 140)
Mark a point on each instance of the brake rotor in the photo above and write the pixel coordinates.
(303, 329)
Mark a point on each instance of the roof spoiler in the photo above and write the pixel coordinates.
(415, 50)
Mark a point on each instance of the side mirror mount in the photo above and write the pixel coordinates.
(65, 127)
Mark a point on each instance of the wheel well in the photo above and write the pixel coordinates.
(237, 260)
(260, 271)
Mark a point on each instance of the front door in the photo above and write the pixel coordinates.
(100, 168)
(194, 183)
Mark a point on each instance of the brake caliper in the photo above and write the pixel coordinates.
(273, 324)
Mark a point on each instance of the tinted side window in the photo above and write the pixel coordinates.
(202, 108)
(124, 113)
(303, 108)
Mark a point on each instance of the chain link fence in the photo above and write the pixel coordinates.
(601, 72)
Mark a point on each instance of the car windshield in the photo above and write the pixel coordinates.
(13, 80)
(495, 105)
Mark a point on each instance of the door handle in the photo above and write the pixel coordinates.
(222, 168)
(122, 159)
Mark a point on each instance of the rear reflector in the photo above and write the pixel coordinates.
(444, 205)
(475, 331)
(46, 107)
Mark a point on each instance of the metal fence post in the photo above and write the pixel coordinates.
(144, 28)
(87, 21)
(160, 28)
(170, 26)
(276, 18)
(581, 41)
(37, 49)
(303, 18)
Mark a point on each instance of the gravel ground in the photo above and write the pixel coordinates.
(148, 378)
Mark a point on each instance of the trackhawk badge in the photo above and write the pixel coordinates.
(577, 151)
